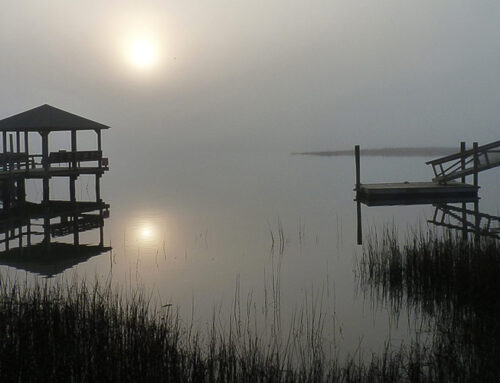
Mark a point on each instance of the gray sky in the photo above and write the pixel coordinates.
(298, 75)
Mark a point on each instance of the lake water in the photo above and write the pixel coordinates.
(253, 233)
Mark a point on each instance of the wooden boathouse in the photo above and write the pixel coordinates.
(22, 135)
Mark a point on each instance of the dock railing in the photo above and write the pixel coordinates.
(465, 163)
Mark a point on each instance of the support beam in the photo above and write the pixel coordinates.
(46, 165)
(99, 142)
(358, 170)
(76, 234)
(20, 233)
(98, 188)
(74, 147)
(18, 147)
(360, 225)
(26, 148)
(28, 232)
(464, 204)
(476, 183)
(476, 163)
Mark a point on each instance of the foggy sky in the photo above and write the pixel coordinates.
(293, 75)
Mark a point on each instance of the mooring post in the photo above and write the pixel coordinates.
(358, 204)
(476, 163)
(464, 204)
(360, 226)
(476, 182)
(358, 171)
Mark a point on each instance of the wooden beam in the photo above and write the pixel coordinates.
(358, 170)
(464, 204)
(26, 148)
(476, 163)
(46, 165)
(74, 147)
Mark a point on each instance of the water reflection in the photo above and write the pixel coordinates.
(147, 231)
(45, 238)
(459, 218)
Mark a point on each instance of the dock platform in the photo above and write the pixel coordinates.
(415, 193)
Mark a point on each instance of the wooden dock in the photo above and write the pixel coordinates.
(415, 193)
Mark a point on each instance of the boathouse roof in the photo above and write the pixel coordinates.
(47, 118)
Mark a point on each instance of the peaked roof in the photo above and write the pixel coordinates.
(48, 118)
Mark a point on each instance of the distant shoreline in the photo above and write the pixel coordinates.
(387, 152)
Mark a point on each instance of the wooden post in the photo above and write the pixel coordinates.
(98, 188)
(360, 226)
(21, 190)
(46, 165)
(20, 232)
(26, 149)
(464, 204)
(98, 175)
(11, 150)
(101, 229)
(476, 163)
(46, 234)
(358, 171)
(18, 147)
(476, 183)
(11, 143)
(72, 188)
(74, 148)
(99, 142)
(28, 232)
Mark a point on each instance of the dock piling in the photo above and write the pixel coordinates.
(358, 171)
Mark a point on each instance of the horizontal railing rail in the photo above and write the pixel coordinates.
(466, 163)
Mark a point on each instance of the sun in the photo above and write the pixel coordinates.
(146, 232)
(142, 53)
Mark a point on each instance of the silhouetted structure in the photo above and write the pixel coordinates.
(19, 218)
(443, 190)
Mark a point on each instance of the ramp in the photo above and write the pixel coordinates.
(466, 163)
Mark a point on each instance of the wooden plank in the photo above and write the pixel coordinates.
(51, 172)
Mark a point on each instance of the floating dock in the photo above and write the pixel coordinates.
(443, 189)
(415, 193)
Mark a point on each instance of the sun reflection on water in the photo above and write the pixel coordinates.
(147, 231)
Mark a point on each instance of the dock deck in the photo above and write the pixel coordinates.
(415, 193)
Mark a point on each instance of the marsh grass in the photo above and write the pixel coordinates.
(452, 282)
(84, 332)
(90, 332)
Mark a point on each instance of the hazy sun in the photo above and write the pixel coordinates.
(146, 232)
(142, 53)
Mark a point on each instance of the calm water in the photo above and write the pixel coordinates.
(273, 232)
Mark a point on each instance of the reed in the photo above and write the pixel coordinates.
(84, 332)
(453, 283)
